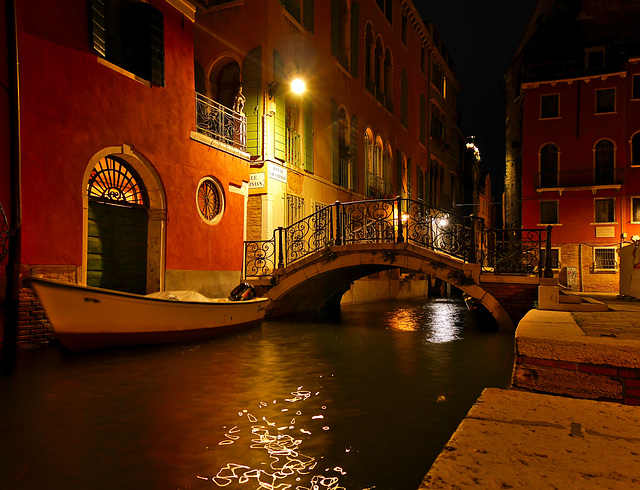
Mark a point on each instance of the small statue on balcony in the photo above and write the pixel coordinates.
(238, 103)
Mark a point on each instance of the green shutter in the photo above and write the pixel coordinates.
(408, 178)
(252, 90)
(335, 28)
(308, 134)
(399, 172)
(355, 38)
(98, 26)
(354, 153)
(335, 144)
(404, 99)
(308, 15)
(156, 45)
(279, 137)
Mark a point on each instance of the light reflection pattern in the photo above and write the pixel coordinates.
(441, 320)
(289, 468)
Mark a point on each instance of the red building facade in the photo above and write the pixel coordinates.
(581, 142)
(118, 188)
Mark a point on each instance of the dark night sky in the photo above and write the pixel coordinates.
(481, 36)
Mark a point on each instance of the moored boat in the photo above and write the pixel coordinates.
(85, 318)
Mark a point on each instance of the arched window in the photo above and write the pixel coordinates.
(549, 166)
(604, 162)
(224, 82)
(387, 169)
(379, 59)
(635, 150)
(388, 80)
(369, 59)
(368, 151)
(343, 148)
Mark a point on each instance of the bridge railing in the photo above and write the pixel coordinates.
(395, 221)
(516, 251)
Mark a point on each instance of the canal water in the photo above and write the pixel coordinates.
(367, 403)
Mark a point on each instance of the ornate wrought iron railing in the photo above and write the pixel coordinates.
(399, 220)
(516, 251)
(5, 233)
(221, 123)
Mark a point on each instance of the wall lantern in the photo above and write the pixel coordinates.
(297, 84)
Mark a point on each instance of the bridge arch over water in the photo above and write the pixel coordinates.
(312, 263)
(315, 284)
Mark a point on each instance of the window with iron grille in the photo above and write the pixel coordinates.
(295, 209)
(604, 258)
(605, 210)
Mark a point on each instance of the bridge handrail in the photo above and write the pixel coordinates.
(395, 221)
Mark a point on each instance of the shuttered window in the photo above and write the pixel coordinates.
(279, 133)
(252, 90)
(129, 35)
(308, 134)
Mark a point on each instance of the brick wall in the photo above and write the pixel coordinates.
(254, 218)
(578, 380)
(516, 299)
(33, 325)
(592, 281)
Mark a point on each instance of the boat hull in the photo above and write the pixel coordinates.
(92, 318)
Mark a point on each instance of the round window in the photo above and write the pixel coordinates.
(210, 200)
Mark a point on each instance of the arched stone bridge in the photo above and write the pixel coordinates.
(306, 268)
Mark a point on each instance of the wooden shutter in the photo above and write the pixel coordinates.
(335, 28)
(308, 14)
(354, 153)
(335, 144)
(355, 38)
(156, 45)
(98, 27)
(279, 141)
(308, 134)
(252, 90)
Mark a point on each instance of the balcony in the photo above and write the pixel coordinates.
(580, 180)
(377, 188)
(221, 123)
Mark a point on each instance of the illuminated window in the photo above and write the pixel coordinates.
(295, 209)
(114, 181)
(605, 100)
(210, 200)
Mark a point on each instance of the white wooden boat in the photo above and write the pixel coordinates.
(92, 318)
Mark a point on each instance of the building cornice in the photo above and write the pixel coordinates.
(185, 7)
(569, 81)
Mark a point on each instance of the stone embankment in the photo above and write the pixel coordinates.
(571, 419)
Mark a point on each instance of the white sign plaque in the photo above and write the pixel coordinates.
(256, 181)
(276, 172)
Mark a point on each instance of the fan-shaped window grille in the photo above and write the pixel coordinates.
(210, 200)
(114, 181)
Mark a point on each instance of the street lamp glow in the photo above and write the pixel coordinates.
(297, 86)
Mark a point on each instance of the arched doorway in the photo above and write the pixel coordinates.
(117, 227)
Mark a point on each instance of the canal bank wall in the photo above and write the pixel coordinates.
(572, 416)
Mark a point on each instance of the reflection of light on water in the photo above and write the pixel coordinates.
(439, 318)
(404, 319)
(444, 327)
(287, 464)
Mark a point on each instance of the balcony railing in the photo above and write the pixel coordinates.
(377, 188)
(292, 150)
(221, 123)
(580, 178)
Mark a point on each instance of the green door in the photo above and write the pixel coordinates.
(117, 247)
